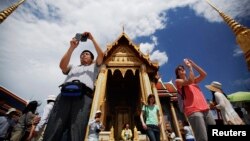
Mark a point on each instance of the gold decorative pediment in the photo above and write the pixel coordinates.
(123, 70)
(123, 52)
(123, 56)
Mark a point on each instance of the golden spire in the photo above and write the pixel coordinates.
(242, 34)
(5, 13)
(235, 26)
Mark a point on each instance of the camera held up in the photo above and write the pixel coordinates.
(81, 37)
(98, 129)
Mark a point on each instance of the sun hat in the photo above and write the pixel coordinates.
(11, 110)
(51, 97)
(98, 111)
(214, 86)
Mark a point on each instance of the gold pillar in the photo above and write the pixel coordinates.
(175, 120)
(100, 91)
(146, 81)
(136, 136)
(6, 12)
(144, 99)
(157, 100)
(173, 113)
(111, 136)
(242, 34)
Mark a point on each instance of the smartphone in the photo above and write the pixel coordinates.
(186, 61)
(78, 36)
(84, 38)
(81, 37)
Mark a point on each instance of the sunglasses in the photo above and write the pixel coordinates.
(181, 68)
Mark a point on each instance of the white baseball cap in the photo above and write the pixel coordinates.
(51, 97)
(11, 110)
(98, 111)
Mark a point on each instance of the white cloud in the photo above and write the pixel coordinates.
(156, 56)
(243, 82)
(147, 48)
(237, 52)
(160, 57)
(232, 8)
(35, 36)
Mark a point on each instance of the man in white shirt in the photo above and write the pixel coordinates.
(71, 113)
(39, 130)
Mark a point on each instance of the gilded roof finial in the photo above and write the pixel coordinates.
(236, 27)
(147, 52)
(208, 1)
(6, 12)
(242, 34)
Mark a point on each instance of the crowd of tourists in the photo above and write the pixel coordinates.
(66, 116)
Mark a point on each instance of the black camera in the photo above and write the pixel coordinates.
(81, 37)
(98, 129)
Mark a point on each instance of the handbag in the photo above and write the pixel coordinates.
(74, 88)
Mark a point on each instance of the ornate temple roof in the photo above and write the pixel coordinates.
(123, 39)
(166, 89)
(9, 99)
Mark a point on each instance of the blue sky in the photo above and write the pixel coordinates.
(212, 46)
(34, 38)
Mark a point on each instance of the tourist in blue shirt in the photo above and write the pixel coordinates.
(7, 123)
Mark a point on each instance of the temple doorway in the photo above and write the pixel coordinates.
(123, 101)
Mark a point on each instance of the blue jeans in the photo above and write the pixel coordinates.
(153, 132)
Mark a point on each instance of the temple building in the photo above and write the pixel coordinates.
(126, 78)
(10, 100)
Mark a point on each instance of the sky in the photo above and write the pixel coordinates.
(35, 37)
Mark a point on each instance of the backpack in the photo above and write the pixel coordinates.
(180, 99)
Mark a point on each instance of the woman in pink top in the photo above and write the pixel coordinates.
(195, 106)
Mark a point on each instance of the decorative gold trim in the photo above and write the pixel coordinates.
(133, 48)
(242, 33)
(235, 26)
(5, 13)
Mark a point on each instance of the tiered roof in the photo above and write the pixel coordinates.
(124, 39)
